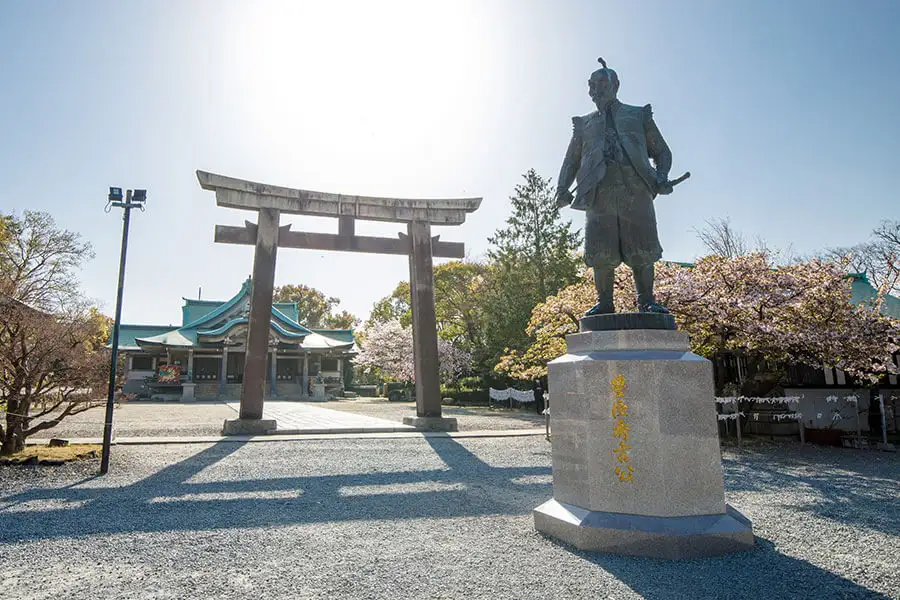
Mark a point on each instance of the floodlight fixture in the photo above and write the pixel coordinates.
(115, 194)
(139, 196)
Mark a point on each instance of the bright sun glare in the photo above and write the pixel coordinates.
(360, 83)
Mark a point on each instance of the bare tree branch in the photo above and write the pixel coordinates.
(721, 239)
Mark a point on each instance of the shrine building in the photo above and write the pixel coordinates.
(204, 357)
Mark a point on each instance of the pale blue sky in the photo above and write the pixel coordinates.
(786, 113)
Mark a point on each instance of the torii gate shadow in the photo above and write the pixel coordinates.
(167, 501)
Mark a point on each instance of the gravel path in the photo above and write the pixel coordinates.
(148, 419)
(419, 518)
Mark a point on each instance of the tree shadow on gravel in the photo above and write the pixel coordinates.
(861, 491)
(760, 573)
(168, 500)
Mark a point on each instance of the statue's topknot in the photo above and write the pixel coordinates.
(607, 72)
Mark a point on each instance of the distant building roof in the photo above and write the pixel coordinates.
(128, 333)
(862, 292)
(206, 322)
(194, 309)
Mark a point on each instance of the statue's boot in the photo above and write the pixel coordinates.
(603, 281)
(643, 281)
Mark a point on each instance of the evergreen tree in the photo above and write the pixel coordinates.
(533, 257)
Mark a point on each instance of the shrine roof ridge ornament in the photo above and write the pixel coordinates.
(250, 195)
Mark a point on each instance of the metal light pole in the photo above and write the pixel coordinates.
(134, 199)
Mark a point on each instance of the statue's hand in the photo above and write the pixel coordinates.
(563, 198)
(663, 187)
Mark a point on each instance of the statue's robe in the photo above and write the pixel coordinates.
(610, 154)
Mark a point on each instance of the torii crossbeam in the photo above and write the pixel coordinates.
(269, 202)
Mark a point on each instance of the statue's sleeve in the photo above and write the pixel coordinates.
(573, 157)
(656, 145)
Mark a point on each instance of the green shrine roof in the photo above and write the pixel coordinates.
(863, 292)
(194, 310)
(177, 338)
(289, 309)
(128, 333)
(206, 322)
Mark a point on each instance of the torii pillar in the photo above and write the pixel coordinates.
(418, 244)
(421, 292)
(262, 283)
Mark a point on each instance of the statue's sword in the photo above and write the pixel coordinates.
(675, 182)
(672, 182)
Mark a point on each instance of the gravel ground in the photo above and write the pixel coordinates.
(473, 418)
(172, 419)
(419, 518)
(148, 419)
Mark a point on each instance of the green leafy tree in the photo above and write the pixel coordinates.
(533, 257)
(396, 306)
(457, 303)
(460, 315)
(341, 320)
(314, 308)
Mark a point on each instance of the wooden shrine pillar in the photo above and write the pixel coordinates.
(263, 282)
(425, 352)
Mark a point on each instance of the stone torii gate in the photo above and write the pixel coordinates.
(267, 235)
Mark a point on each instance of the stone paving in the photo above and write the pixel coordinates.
(204, 419)
(297, 417)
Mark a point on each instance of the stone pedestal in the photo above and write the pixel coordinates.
(318, 392)
(249, 426)
(636, 461)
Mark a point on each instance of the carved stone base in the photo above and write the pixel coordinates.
(638, 535)
(637, 467)
(249, 427)
(432, 423)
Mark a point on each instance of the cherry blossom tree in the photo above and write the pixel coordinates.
(800, 313)
(387, 347)
(453, 361)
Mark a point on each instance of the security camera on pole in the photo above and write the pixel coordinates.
(133, 199)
